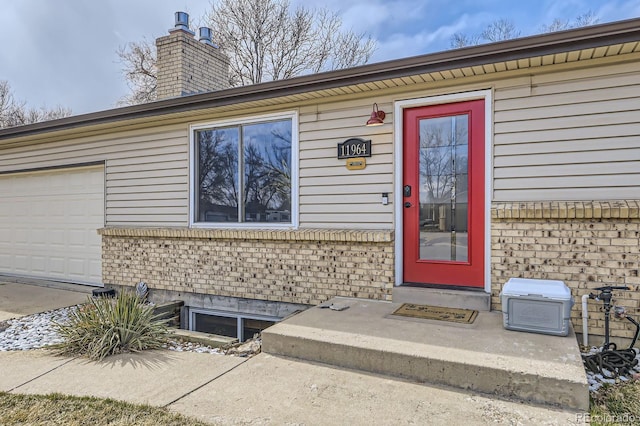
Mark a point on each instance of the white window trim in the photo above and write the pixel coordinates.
(295, 160)
(399, 106)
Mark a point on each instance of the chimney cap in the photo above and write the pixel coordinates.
(182, 23)
(206, 38)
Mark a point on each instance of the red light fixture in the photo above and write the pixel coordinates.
(377, 116)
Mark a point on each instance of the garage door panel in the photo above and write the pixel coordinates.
(21, 262)
(38, 236)
(57, 266)
(95, 268)
(77, 268)
(48, 223)
(96, 207)
(77, 239)
(20, 236)
(39, 264)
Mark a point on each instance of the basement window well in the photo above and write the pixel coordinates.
(230, 324)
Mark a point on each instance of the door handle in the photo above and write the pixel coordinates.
(407, 205)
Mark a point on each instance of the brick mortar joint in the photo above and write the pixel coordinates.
(331, 235)
(592, 209)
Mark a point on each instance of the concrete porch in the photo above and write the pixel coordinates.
(480, 357)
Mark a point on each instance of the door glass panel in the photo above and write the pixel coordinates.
(444, 164)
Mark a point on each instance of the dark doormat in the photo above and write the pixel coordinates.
(463, 316)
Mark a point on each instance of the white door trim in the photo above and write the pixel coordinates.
(398, 113)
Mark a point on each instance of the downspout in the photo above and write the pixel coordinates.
(585, 321)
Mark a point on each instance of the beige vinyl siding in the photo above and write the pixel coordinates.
(569, 136)
(146, 173)
(330, 195)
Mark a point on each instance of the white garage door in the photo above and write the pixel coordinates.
(48, 223)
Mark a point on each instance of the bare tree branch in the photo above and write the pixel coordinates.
(265, 40)
(583, 20)
(16, 113)
(459, 40)
(586, 19)
(138, 61)
(498, 30)
(505, 29)
(556, 25)
(502, 29)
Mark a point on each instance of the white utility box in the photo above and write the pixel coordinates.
(536, 306)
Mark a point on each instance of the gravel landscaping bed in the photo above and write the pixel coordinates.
(38, 331)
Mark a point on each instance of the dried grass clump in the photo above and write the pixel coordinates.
(56, 409)
(616, 404)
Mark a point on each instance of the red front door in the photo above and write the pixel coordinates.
(443, 194)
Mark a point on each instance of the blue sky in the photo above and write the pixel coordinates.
(63, 51)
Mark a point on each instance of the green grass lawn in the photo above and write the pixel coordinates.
(56, 409)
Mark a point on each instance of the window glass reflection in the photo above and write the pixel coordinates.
(444, 162)
(217, 175)
(267, 172)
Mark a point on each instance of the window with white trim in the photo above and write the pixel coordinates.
(244, 172)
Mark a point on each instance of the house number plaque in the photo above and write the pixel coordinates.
(354, 148)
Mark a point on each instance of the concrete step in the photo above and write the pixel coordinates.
(465, 299)
(481, 357)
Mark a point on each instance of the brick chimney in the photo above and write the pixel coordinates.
(187, 66)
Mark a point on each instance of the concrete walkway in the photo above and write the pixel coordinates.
(18, 298)
(263, 390)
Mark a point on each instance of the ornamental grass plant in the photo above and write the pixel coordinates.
(107, 326)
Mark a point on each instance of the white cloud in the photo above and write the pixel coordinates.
(400, 45)
(618, 10)
(364, 16)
